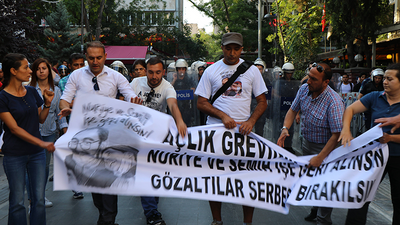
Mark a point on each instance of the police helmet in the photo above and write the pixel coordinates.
(260, 62)
(288, 68)
(120, 67)
(378, 72)
(181, 63)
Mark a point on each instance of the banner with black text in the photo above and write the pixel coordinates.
(117, 147)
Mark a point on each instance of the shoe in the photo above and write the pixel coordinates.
(47, 203)
(78, 195)
(217, 222)
(312, 216)
(155, 219)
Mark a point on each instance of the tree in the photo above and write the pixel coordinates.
(213, 46)
(236, 16)
(61, 43)
(17, 29)
(357, 21)
(140, 23)
(299, 30)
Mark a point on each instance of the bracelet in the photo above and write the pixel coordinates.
(284, 128)
(46, 106)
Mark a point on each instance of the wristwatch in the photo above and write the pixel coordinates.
(46, 106)
(284, 128)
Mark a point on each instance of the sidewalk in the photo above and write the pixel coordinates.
(176, 211)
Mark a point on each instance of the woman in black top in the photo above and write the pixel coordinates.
(21, 112)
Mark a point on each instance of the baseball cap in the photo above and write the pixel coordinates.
(232, 38)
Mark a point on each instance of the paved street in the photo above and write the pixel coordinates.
(176, 211)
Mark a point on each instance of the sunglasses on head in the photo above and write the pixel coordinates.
(96, 85)
(319, 67)
(150, 95)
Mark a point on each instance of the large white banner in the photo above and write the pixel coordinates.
(122, 148)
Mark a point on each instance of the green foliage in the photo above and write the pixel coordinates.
(140, 23)
(212, 46)
(18, 32)
(61, 43)
(299, 31)
(357, 21)
(236, 16)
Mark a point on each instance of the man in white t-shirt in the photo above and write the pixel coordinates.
(232, 108)
(157, 93)
(345, 86)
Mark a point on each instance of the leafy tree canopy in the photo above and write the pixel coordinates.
(236, 16)
(18, 31)
(61, 42)
(357, 21)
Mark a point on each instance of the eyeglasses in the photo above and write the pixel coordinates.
(85, 145)
(150, 95)
(319, 67)
(96, 85)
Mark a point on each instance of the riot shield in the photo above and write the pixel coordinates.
(283, 94)
(186, 100)
(259, 127)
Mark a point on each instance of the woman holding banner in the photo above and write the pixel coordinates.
(21, 112)
(382, 104)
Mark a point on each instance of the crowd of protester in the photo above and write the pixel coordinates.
(36, 100)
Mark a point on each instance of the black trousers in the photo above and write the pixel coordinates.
(359, 216)
(107, 206)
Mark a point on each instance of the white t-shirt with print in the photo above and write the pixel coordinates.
(235, 102)
(162, 92)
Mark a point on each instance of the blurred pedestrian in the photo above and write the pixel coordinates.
(76, 61)
(139, 68)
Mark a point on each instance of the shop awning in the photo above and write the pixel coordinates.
(126, 54)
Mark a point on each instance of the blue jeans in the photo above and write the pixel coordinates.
(359, 216)
(149, 205)
(51, 138)
(16, 168)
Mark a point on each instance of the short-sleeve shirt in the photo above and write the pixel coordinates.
(377, 103)
(321, 116)
(25, 112)
(236, 100)
(109, 81)
(162, 92)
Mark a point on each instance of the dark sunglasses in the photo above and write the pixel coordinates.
(150, 95)
(96, 85)
(319, 67)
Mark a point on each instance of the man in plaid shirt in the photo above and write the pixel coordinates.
(321, 116)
